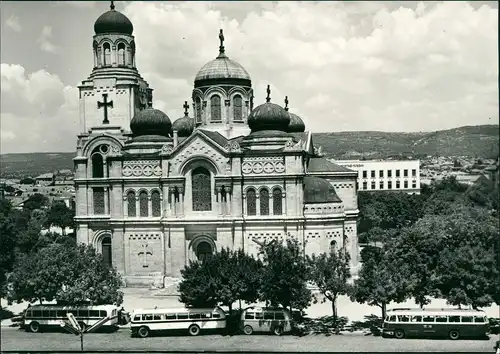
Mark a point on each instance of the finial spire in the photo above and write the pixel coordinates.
(221, 38)
(286, 103)
(186, 107)
(268, 98)
(112, 7)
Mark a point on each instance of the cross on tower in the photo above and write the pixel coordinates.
(105, 104)
(112, 7)
(268, 98)
(286, 103)
(186, 107)
(221, 38)
(144, 255)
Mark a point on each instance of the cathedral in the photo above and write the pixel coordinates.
(153, 194)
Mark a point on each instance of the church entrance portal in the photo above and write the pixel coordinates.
(203, 250)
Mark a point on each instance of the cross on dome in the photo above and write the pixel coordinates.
(186, 107)
(286, 103)
(112, 7)
(221, 38)
(268, 98)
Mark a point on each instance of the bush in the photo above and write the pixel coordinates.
(371, 322)
(323, 325)
(494, 325)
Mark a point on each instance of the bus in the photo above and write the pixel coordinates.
(271, 320)
(39, 316)
(450, 323)
(194, 320)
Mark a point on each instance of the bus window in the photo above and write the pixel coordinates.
(479, 319)
(269, 315)
(37, 313)
(279, 315)
(467, 319)
(403, 318)
(94, 313)
(416, 318)
(428, 318)
(194, 316)
(441, 319)
(102, 313)
(170, 316)
(82, 313)
(137, 317)
(454, 319)
(206, 315)
(182, 316)
(157, 317)
(147, 317)
(215, 315)
(249, 316)
(392, 318)
(259, 315)
(45, 313)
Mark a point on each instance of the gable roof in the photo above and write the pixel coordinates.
(215, 136)
(320, 164)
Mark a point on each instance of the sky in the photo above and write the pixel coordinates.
(345, 66)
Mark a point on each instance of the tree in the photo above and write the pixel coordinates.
(36, 201)
(221, 279)
(7, 243)
(330, 272)
(379, 283)
(59, 215)
(27, 180)
(70, 275)
(285, 276)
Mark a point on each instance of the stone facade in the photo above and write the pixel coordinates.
(152, 204)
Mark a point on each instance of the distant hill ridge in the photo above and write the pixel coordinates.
(474, 141)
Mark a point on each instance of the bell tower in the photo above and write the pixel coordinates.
(115, 91)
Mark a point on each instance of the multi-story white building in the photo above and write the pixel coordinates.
(387, 175)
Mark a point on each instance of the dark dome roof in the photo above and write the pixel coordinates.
(113, 21)
(268, 116)
(296, 124)
(151, 121)
(318, 190)
(184, 126)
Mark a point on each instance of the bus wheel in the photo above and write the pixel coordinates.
(399, 334)
(143, 332)
(248, 330)
(277, 331)
(194, 330)
(34, 327)
(454, 334)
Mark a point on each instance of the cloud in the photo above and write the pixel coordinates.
(78, 4)
(45, 44)
(38, 112)
(344, 65)
(13, 23)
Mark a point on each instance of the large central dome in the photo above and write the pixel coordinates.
(222, 68)
(113, 21)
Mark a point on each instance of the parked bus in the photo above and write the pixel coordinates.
(144, 321)
(451, 323)
(38, 316)
(258, 319)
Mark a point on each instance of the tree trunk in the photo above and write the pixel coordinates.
(230, 308)
(383, 306)
(334, 311)
(239, 303)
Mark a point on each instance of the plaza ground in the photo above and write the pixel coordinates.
(135, 298)
(15, 339)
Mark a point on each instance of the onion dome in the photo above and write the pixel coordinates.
(151, 121)
(296, 124)
(184, 125)
(222, 67)
(113, 21)
(319, 190)
(268, 116)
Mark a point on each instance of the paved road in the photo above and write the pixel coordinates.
(15, 339)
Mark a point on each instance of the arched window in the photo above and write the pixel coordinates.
(202, 190)
(107, 54)
(251, 202)
(277, 202)
(99, 198)
(198, 110)
(264, 201)
(143, 204)
(106, 251)
(131, 209)
(97, 166)
(215, 108)
(155, 203)
(203, 250)
(237, 108)
(333, 246)
(121, 54)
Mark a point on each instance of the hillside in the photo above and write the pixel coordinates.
(475, 141)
